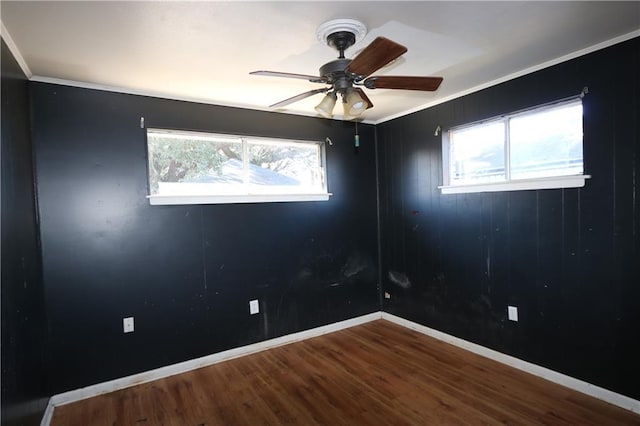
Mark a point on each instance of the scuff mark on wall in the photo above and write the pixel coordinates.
(323, 281)
(355, 263)
(399, 279)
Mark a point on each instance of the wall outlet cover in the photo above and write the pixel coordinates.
(127, 324)
(254, 307)
(513, 313)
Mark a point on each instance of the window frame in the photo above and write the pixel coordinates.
(510, 184)
(248, 197)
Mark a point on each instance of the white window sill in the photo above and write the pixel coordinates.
(159, 200)
(575, 181)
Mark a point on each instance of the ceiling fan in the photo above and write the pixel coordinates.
(346, 77)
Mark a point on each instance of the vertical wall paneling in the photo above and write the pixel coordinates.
(567, 258)
(187, 273)
(23, 316)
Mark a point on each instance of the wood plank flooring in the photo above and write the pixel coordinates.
(378, 373)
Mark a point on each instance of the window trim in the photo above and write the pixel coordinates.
(163, 200)
(238, 198)
(509, 184)
(555, 182)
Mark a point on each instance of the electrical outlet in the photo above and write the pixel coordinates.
(127, 324)
(254, 307)
(513, 313)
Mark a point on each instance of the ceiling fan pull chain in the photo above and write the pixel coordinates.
(356, 138)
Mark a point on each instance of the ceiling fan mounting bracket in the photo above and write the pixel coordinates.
(351, 26)
(370, 83)
(341, 41)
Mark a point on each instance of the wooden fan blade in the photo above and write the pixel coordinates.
(364, 97)
(311, 78)
(379, 53)
(299, 97)
(428, 84)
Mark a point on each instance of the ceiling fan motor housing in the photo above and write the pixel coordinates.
(334, 73)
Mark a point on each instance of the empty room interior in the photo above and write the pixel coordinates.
(219, 213)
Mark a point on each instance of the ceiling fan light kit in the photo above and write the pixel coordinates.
(325, 107)
(354, 105)
(347, 76)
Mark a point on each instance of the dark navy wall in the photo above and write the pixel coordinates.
(23, 321)
(187, 273)
(567, 258)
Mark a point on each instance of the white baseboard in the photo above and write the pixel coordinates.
(182, 367)
(48, 414)
(553, 376)
(170, 370)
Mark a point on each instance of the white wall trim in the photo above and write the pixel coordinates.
(170, 200)
(172, 97)
(553, 376)
(13, 48)
(170, 370)
(573, 181)
(48, 414)
(512, 76)
(182, 367)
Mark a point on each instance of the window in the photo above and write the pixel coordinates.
(205, 168)
(535, 149)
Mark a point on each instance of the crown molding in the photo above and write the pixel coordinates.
(13, 48)
(517, 74)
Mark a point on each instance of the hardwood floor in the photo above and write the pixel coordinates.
(378, 373)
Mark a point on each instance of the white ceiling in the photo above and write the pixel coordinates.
(204, 51)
